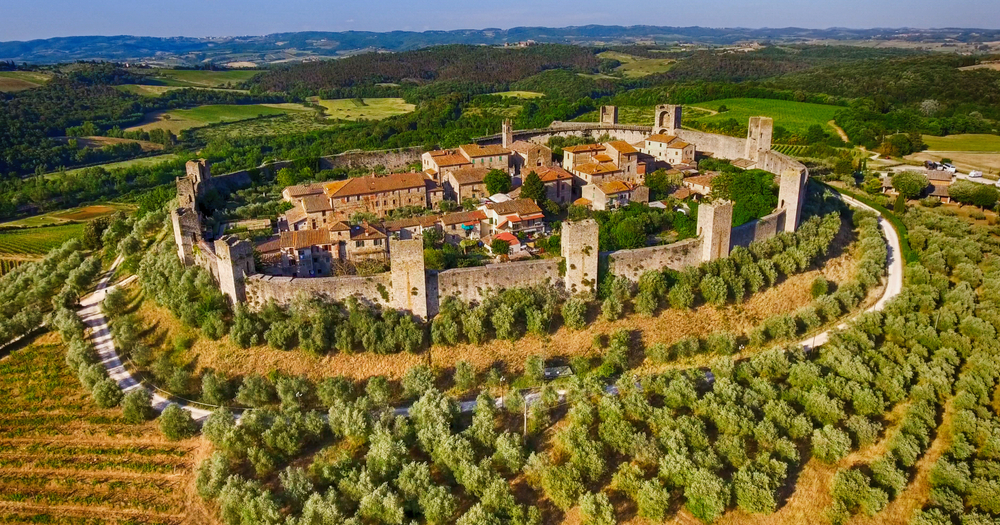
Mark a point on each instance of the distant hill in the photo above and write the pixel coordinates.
(304, 46)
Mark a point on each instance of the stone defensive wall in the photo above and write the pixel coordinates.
(472, 284)
(756, 230)
(631, 264)
(370, 290)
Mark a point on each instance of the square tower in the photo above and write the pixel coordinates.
(791, 194)
(235, 265)
(609, 115)
(667, 120)
(715, 222)
(409, 280)
(580, 251)
(506, 133)
(759, 133)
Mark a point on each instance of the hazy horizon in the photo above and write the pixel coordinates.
(26, 21)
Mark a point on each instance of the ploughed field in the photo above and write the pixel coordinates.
(64, 460)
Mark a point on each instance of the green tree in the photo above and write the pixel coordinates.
(497, 181)
(909, 184)
(106, 393)
(500, 247)
(137, 406)
(533, 188)
(176, 423)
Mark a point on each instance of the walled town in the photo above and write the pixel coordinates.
(317, 237)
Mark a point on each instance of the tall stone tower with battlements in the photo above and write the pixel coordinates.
(715, 222)
(409, 281)
(759, 134)
(235, 264)
(609, 115)
(580, 252)
(198, 170)
(187, 228)
(667, 119)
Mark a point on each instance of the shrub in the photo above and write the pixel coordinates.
(256, 392)
(681, 297)
(830, 444)
(417, 380)
(596, 509)
(714, 290)
(612, 308)
(574, 313)
(378, 391)
(707, 496)
(534, 369)
(820, 286)
(176, 423)
(333, 389)
(137, 406)
(106, 393)
(465, 375)
(115, 302)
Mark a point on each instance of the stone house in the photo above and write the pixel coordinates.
(465, 183)
(527, 156)
(668, 148)
(558, 184)
(515, 216)
(308, 253)
(700, 184)
(609, 195)
(438, 162)
(491, 157)
(409, 228)
(381, 194)
(462, 225)
(294, 194)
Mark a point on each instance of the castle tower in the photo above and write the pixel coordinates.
(198, 170)
(186, 226)
(507, 132)
(759, 133)
(580, 251)
(791, 194)
(609, 115)
(715, 222)
(409, 281)
(668, 119)
(235, 265)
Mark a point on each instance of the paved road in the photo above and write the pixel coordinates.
(101, 335)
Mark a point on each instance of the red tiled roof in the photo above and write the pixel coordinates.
(297, 240)
(622, 147)
(614, 186)
(552, 174)
(492, 150)
(316, 203)
(584, 148)
(366, 232)
(523, 146)
(463, 217)
(301, 190)
(507, 236)
(514, 207)
(451, 159)
(470, 175)
(374, 185)
(597, 169)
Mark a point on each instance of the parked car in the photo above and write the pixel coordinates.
(949, 168)
(975, 174)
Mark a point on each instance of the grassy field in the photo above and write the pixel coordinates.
(633, 66)
(37, 241)
(64, 460)
(100, 142)
(84, 213)
(142, 161)
(177, 120)
(202, 79)
(796, 117)
(11, 81)
(520, 94)
(371, 109)
(966, 142)
(293, 122)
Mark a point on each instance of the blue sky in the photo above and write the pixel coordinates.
(30, 19)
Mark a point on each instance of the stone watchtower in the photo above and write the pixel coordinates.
(790, 197)
(198, 170)
(409, 281)
(668, 119)
(187, 229)
(506, 133)
(580, 253)
(235, 264)
(759, 133)
(609, 115)
(715, 222)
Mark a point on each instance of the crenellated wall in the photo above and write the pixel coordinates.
(471, 284)
(631, 264)
(756, 230)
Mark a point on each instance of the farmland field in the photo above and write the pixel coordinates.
(84, 213)
(6, 265)
(796, 117)
(520, 94)
(201, 78)
(371, 109)
(966, 142)
(177, 120)
(37, 241)
(637, 66)
(294, 122)
(11, 81)
(64, 460)
(142, 161)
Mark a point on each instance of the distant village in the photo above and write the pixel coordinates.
(316, 234)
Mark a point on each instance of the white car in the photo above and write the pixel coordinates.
(976, 174)
(949, 168)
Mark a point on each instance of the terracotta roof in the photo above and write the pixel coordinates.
(552, 174)
(424, 221)
(507, 236)
(614, 186)
(597, 169)
(374, 185)
(270, 245)
(700, 180)
(451, 159)
(295, 215)
(584, 148)
(463, 217)
(581, 202)
(523, 146)
(514, 207)
(316, 203)
(340, 226)
(301, 190)
(441, 152)
(660, 137)
(470, 175)
(940, 176)
(743, 163)
(366, 232)
(603, 158)
(297, 240)
(622, 147)
(681, 193)
(475, 150)
(939, 190)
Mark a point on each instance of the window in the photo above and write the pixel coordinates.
(359, 244)
(377, 242)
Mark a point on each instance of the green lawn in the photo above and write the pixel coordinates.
(370, 109)
(37, 241)
(633, 66)
(796, 117)
(177, 120)
(202, 79)
(11, 81)
(967, 142)
(520, 94)
(142, 161)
